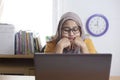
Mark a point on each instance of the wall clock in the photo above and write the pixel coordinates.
(97, 25)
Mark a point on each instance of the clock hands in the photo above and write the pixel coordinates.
(97, 23)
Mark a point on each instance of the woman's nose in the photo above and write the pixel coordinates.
(71, 33)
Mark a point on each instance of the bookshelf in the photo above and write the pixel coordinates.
(21, 43)
(16, 64)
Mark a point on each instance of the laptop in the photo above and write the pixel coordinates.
(72, 66)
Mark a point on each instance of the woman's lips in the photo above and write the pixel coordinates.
(71, 38)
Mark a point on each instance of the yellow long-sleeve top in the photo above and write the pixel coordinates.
(51, 45)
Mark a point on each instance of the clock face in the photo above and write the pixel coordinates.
(97, 25)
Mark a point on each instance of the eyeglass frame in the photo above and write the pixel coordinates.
(72, 29)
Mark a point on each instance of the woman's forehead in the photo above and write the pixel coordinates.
(69, 23)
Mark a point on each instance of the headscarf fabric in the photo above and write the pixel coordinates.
(69, 16)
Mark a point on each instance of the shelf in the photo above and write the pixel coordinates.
(17, 64)
(31, 56)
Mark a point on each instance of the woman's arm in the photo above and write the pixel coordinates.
(90, 46)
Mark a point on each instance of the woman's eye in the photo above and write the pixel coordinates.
(66, 29)
(75, 29)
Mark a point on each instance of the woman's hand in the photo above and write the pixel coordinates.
(78, 42)
(63, 43)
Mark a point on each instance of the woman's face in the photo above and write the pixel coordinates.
(70, 30)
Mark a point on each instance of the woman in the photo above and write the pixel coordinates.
(70, 37)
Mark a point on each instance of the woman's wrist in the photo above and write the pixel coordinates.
(84, 49)
(59, 48)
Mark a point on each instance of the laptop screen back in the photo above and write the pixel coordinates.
(72, 66)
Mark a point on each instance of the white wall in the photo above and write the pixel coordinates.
(29, 15)
(108, 43)
(1, 7)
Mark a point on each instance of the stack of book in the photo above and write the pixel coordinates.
(25, 43)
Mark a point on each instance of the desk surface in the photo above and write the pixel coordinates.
(11, 77)
(15, 77)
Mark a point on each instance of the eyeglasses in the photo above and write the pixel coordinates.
(67, 30)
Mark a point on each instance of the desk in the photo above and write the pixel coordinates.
(11, 77)
(15, 77)
(115, 78)
(17, 64)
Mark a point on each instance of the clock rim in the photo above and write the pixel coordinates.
(87, 25)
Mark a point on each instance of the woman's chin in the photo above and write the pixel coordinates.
(71, 40)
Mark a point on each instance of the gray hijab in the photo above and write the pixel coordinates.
(76, 18)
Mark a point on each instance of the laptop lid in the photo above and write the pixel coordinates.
(72, 66)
